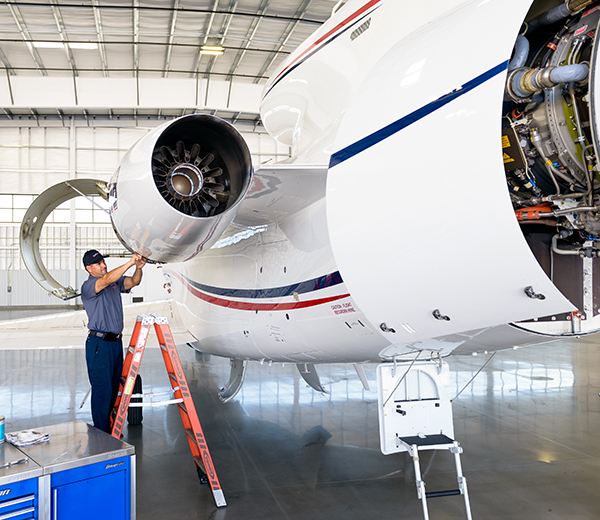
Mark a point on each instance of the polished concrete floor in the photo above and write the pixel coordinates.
(529, 424)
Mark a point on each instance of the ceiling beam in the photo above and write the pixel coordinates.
(18, 17)
(100, 36)
(211, 19)
(200, 10)
(36, 115)
(171, 37)
(124, 69)
(249, 35)
(141, 44)
(6, 63)
(233, 4)
(136, 36)
(300, 12)
(60, 24)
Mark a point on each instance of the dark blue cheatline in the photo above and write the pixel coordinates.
(307, 286)
(393, 128)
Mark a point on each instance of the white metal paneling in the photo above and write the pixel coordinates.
(25, 291)
(41, 92)
(114, 93)
(32, 159)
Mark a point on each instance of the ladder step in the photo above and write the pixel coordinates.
(191, 435)
(450, 492)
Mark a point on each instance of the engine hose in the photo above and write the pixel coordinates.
(552, 45)
(580, 137)
(534, 213)
(542, 221)
(577, 209)
(568, 73)
(577, 45)
(524, 82)
(545, 210)
(590, 179)
(562, 251)
(521, 53)
(549, 17)
(556, 14)
(536, 139)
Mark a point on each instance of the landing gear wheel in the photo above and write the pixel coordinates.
(134, 413)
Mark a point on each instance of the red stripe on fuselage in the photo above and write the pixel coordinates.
(253, 306)
(339, 26)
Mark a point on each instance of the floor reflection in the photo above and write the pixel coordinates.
(528, 423)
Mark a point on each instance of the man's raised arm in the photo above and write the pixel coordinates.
(115, 274)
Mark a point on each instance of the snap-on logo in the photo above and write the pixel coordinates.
(4, 492)
(111, 466)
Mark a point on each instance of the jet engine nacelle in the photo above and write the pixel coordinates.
(178, 188)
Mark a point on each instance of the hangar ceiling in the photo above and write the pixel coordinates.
(98, 60)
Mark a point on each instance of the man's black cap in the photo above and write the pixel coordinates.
(92, 257)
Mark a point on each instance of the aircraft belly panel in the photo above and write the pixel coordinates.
(416, 236)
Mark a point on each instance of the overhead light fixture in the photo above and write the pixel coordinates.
(213, 50)
(83, 45)
(48, 45)
(60, 45)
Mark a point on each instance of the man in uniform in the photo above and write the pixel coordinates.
(101, 297)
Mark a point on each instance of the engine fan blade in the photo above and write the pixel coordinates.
(159, 169)
(214, 187)
(180, 151)
(206, 161)
(194, 152)
(215, 172)
(200, 209)
(167, 155)
(210, 199)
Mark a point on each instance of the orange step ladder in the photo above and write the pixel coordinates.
(183, 398)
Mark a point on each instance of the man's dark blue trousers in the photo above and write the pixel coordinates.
(105, 364)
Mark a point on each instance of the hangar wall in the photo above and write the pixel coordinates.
(33, 158)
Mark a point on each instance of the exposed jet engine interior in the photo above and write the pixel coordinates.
(550, 150)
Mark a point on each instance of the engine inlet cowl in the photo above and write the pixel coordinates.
(176, 190)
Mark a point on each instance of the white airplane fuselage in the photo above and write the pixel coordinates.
(394, 206)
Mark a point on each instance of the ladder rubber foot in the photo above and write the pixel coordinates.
(202, 476)
(135, 414)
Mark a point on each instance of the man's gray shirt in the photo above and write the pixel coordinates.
(105, 309)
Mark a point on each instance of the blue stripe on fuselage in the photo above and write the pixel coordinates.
(393, 128)
(273, 292)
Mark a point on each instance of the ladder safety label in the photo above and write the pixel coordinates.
(129, 385)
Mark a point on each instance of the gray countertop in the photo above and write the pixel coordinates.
(16, 472)
(72, 445)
